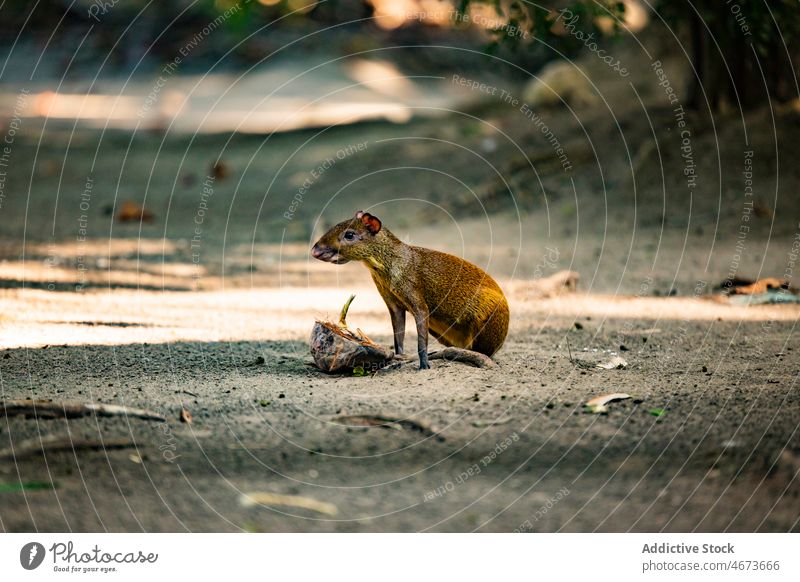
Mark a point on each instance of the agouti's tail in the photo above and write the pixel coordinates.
(453, 354)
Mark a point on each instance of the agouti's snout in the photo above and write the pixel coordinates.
(327, 254)
(457, 302)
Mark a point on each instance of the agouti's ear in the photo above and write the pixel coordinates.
(372, 223)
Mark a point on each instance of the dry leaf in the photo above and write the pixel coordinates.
(266, 498)
(132, 212)
(220, 170)
(598, 404)
(615, 363)
(186, 416)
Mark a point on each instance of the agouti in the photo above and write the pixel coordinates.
(458, 303)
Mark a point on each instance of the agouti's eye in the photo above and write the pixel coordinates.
(349, 235)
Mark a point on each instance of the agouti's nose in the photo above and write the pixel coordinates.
(317, 251)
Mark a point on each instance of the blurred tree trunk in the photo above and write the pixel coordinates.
(733, 69)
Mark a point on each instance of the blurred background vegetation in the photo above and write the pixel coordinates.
(259, 71)
(732, 47)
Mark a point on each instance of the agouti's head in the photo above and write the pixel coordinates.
(355, 239)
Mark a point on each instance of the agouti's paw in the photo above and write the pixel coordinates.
(424, 366)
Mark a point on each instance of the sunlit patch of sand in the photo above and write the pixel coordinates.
(35, 318)
(651, 308)
(157, 275)
(105, 247)
(174, 276)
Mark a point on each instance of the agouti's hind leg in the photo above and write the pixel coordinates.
(493, 332)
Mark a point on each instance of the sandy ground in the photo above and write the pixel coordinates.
(512, 447)
(147, 315)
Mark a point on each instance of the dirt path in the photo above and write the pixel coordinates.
(512, 448)
(161, 316)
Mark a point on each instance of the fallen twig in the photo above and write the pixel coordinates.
(266, 498)
(43, 409)
(487, 423)
(58, 443)
(386, 421)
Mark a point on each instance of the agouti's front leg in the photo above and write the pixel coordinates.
(421, 318)
(398, 315)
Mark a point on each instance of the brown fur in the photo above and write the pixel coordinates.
(458, 303)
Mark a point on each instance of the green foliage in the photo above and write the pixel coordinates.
(738, 49)
(26, 486)
(526, 21)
